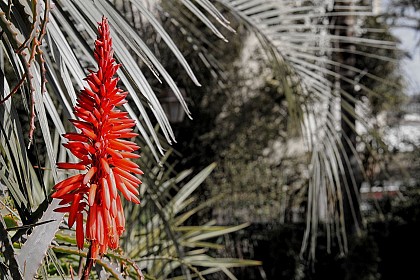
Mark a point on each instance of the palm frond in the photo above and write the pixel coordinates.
(8, 253)
(160, 244)
(65, 54)
(298, 37)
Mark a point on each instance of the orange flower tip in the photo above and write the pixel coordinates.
(132, 134)
(135, 200)
(71, 223)
(64, 202)
(116, 145)
(112, 183)
(66, 165)
(92, 194)
(95, 249)
(113, 210)
(132, 188)
(69, 181)
(126, 175)
(105, 165)
(96, 79)
(74, 209)
(114, 153)
(62, 209)
(105, 194)
(129, 155)
(121, 103)
(138, 171)
(92, 86)
(89, 175)
(126, 163)
(75, 136)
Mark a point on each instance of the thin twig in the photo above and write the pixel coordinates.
(15, 89)
(43, 70)
(89, 264)
(79, 273)
(43, 29)
(32, 123)
(42, 32)
(25, 227)
(36, 7)
(71, 272)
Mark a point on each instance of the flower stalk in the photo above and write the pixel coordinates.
(92, 198)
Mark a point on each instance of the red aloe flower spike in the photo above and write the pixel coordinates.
(104, 156)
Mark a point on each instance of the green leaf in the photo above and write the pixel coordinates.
(10, 221)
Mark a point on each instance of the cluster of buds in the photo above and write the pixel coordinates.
(103, 154)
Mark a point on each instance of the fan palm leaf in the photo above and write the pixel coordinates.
(299, 39)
